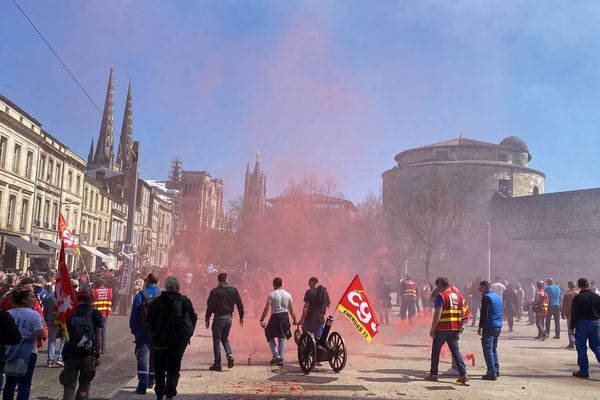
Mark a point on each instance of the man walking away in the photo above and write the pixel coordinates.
(446, 326)
(585, 321)
(490, 325)
(137, 325)
(316, 301)
(553, 292)
(280, 304)
(530, 297)
(171, 321)
(221, 302)
(81, 353)
(408, 288)
(102, 301)
(565, 311)
(510, 302)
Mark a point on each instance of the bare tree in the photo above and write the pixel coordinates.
(311, 185)
(235, 213)
(428, 217)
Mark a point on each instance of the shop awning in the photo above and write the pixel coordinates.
(93, 251)
(50, 244)
(30, 249)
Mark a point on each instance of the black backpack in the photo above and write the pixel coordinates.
(183, 325)
(81, 333)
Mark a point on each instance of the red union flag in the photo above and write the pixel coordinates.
(66, 236)
(65, 299)
(355, 305)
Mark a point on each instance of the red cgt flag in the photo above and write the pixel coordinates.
(65, 299)
(66, 236)
(355, 305)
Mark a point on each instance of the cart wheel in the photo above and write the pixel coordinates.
(307, 352)
(339, 353)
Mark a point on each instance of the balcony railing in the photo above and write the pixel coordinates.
(36, 222)
(46, 225)
(54, 227)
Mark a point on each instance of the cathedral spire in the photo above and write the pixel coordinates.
(90, 159)
(104, 155)
(126, 141)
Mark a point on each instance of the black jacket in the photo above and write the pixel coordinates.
(221, 301)
(586, 306)
(9, 334)
(163, 326)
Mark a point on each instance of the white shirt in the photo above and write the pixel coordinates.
(28, 321)
(280, 301)
(498, 288)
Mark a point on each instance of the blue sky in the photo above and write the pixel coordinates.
(333, 88)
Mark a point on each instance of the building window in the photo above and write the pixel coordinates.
(46, 213)
(78, 184)
(85, 198)
(3, 148)
(42, 167)
(37, 209)
(54, 216)
(505, 187)
(16, 159)
(536, 190)
(50, 170)
(99, 231)
(75, 222)
(24, 209)
(12, 203)
(442, 155)
(28, 164)
(70, 181)
(502, 157)
(57, 176)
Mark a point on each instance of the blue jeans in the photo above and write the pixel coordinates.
(315, 328)
(220, 333)
(145, 364)
(489, 343)
(104, 334)
(277, 350)
(52, 333)
(23, 382)
(450, 337)
(587, 330)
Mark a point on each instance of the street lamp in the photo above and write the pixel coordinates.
(489, 251)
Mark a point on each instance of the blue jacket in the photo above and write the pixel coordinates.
(137, 325)
(491, 310)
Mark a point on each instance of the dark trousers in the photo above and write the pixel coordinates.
(77, 369)
(450, 337)
(587, 331)
(23, 382)
(474, 309)
(408, 306)
(167, 364)
(220, 334)
(510, 318)
(553, 311)
(489, 343)
(539, 322)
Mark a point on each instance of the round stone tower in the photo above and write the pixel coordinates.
(471, 173)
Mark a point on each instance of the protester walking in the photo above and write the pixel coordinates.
(221, 302)
(553, 292)
(9, 335)
(490, 326)
(408, 307)
(446, 325)
(51, 320)
(82, 352)
(565, 312)
(102, 301)
(540, 307)
(21, 358)
(137, 325)
(171, 321)
(316, 302)
(510, 302)
(280, 304)
(585, 322)
(529, 298)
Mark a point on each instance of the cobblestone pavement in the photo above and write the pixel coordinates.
(392, 366)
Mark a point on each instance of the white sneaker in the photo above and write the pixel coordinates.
(452, 372)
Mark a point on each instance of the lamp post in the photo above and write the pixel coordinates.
(489, 251)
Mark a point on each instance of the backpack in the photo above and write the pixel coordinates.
(182, 323)
(81, 333)
(144, 309)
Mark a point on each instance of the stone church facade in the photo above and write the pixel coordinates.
(532, 234)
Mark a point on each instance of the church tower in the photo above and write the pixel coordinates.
(104, 156)
(126, 141)
(255, 191)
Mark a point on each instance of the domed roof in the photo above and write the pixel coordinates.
(515, 143)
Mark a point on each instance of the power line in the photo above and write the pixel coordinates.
(57, 56)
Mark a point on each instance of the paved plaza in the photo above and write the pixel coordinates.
(392, 366)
